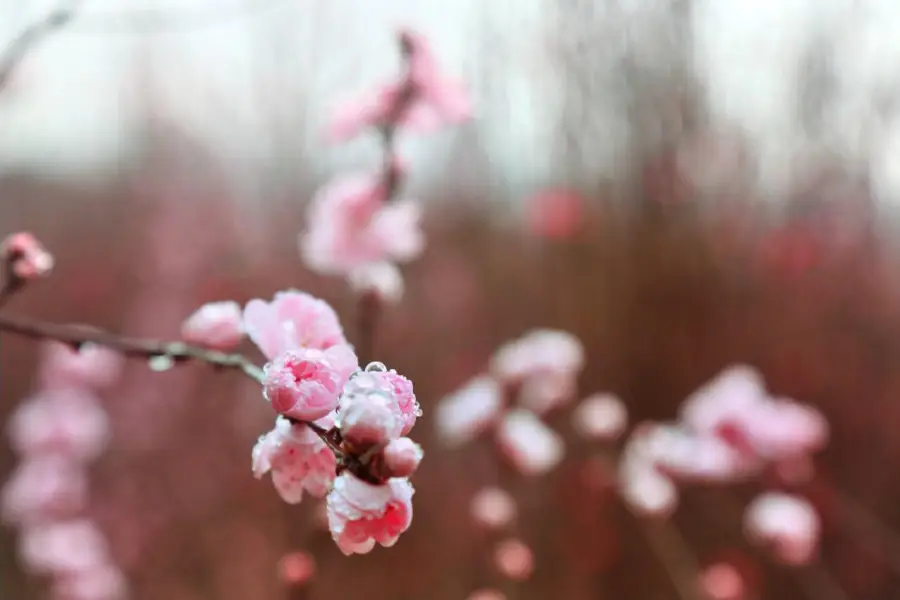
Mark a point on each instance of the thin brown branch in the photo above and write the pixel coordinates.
(32, 35)
(79, 335)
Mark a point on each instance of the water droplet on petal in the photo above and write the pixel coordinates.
(376, 366)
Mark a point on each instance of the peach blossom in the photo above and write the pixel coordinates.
(399, 389)
(43, 487)
(215, 325)
(531, 446)
(514, 559)
(788, 525)
(469, 410)
(68, 422)
(305, 384)
(600, 417)
(26, 256)
(91, 366)
(539, 351)
(361, 514)
(65, 547)
(298, 459)
(722, 581)
(101, 582)
(368, 417)
(493, 508)
(402, 457)
(290, 321)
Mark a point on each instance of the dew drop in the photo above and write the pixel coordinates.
(376, 366)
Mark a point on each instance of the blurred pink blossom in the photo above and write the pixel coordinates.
(298, 459)
(290, 321)
(546, 391)
(216, 325)
(402, 457)
(469, 410)
(63, 548)
(305, 383)
(646, 490)
(600, 417)
(351, 224)
(44, 487)
(539, 352)
(92, 366)
(788, 525)
(514, 559)
(26, 256)
(722, 581)
(493, 508)
(100, 582)
(554, 214)
(530, 445)
(297, 568)
(383, 279)
(486, 594)
(67, 422)
(686, 456)
(361, 514)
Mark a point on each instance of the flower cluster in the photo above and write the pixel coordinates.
(57, 431)
(731, 429)
(340, 430)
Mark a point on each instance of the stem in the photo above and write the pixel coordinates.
(674, 555)
(367, 322)
(78, 335)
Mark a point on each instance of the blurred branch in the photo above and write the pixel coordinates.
(674, 553)
(27, 39)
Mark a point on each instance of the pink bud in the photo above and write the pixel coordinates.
(402, 457)
(531, 446)
(305, 384)
(514, 559)
(297, 568)
(788, 524)
(368, 417)
(26, 256)
(216, 325)
(493, 508)
(722, 581)
(600, 417)
(383, 279)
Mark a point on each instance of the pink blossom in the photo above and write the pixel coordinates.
(43, 487)
(686, 456)
(531, 446)
(546, 391)
(780, 428)
(722, 581)
(361, 515)
(292, 320)
(722, 403)
(26, 256)
(92, 366)
(216, 325)
(351, 225)
(445, 95)
(787, 524)
(539, 352)
(305, 384)
(383, 279)
(514, 559)
(493, 508)
(403, 401)
(554, 214)
(64, 421)
(486, 594)
(298, 459)
(63, 548)
(470, 410)
(297, 568)
(644, 488)
(101, 582)
(368, 417)
(402, 457)
(600, 417)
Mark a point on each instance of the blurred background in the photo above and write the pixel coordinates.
(736, 165)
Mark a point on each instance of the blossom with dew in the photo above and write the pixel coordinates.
(722, 581)
(469, 410)
(514, 559)
(600, 417)
(398, 388)
(530, 445)
(361, 514)
(215, 325)
(786, 524)
(305, 384)
(63, 547)
(290, 321)
(402, 457)
(422, 101)
(26, 257)
(350, 225)
(65, 422)
(43, 487)
(382, 279)
(89, 367)
(493, 508)
(368, 418)
(297, 458)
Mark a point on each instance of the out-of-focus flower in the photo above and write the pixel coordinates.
(305, 384)
(351, 225)
(486, 594)
(538, 352)
(101, 582)
(531, 446)
(216, 325)
(721, 402)
(297, 568)
(686, 456)
(65, 547)
(290, 321)
(383, 279)
(788, 525)
(66, 422)
(646, 490)
(554, 214)
(298, 459)
(361, 514)
(722, 581)
(600, 417)
(91, 366)
(402, 457)
(43, 488)
(514, 559)
(26, 257)
(493, 508)
(470, 410)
